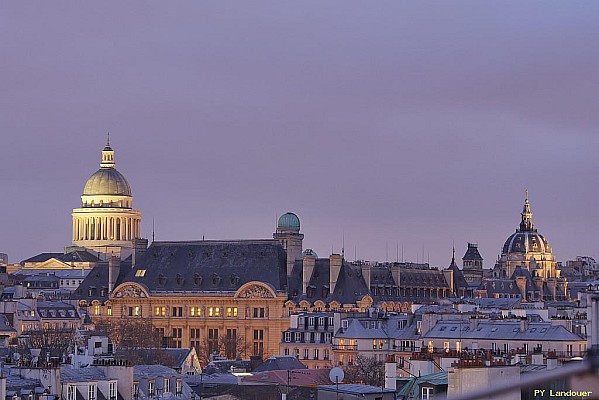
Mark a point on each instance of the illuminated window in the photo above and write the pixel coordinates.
(97, 309)
(430, 346)
(213, 312)
(195, 311)
(140, 273)
(341, 344)
(160, 311)
(231, 311)
(108, 310)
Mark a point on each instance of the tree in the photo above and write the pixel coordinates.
(130, 333)
(135, 340)
(51, 341)
(230, 347)
(365, 370)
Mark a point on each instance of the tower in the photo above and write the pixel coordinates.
(472, 264)
(288, 234)
(106, 221)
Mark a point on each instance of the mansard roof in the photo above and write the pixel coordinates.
(506, 330)
(351, 284)
(97, 279)
(210, 266)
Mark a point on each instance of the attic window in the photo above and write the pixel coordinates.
(453, 328)
(215, 279)
(543, 330)
(234, 279)
(179, 279)
(140, 273)
(197, 279)
(443, 328)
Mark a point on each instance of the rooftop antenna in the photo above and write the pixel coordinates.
(397, 252)
(107, 139)
(355, 252)
(402, 260)
(153, 231)
(343, 244)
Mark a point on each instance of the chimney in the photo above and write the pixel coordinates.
(139, 248)
(523, 324)
(366, 270)
(552, 285)
(521, 283)
(335, 262)
(551, 362)
(114, 267)
(473, 323)
(395, 270)
(449, 278)
(307, 268)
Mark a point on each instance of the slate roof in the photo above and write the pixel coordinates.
(75, 273)
(354, 388)
(385, 329)
(89, 374)
(277, 363)
(411, 389)
(458, 276)
(499, 286)
(505, 330)
(309, 377)
(73, 256)
(97, 279)
(152, 371)
(41, 257)
(502, 303)
(351, 285)
(5, 325)
(472, 253)
(211, 265)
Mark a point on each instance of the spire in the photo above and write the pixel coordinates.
(453, 258)
(107, 154)
(526, 223)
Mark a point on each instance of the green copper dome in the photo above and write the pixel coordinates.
(289, 222)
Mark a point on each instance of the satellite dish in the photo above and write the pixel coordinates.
(336, 375)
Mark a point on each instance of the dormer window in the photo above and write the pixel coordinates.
(197, 279)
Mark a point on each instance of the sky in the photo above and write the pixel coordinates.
(383, 125)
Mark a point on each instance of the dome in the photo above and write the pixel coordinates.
(526, 242)
(107, 181)
(310, 252)
(289, 222)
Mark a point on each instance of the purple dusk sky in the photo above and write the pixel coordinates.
(411, 123)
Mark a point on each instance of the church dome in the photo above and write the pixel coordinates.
(289, 222)
(107, 181)
(526, 239)
(526, 242)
